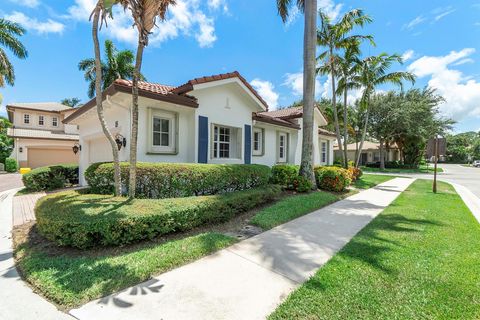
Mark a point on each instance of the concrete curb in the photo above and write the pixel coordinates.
(470, 200)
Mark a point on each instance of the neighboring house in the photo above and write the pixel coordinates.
(40, 136)
(216, 119)
(370, 152)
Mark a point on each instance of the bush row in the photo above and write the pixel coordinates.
(391, 165)
(11, 165)
(86, 220)
(171, 180)
(52, 177)
(330, 178)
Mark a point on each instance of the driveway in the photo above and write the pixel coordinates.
(10, 181)
(468, 177)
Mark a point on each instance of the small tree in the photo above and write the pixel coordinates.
(71, 102)
(6, 143)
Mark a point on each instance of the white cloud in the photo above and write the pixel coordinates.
(49, 26)
(294, 81)
(441, 13)
(407, 55)
(216, 4)
(418, 20)
(266, 90)
(462, 93)
(185, 18)
(27, 3)
(330, 8)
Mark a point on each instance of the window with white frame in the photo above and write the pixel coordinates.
(41, 120)
(162, 132)
(26, 118)
(323, 152)
(282, 147)
(225, 143)
(54, 121)
(257, 141)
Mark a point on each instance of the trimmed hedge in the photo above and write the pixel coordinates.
(172, 180)
(391, 165)
(332, 178)
(11, 165)
(52, 177)
(87, 220)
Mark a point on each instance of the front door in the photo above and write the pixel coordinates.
(364, 158)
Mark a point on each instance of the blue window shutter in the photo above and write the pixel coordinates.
(248, 144)
(202, 139)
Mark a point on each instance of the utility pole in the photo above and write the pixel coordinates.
(436, 162)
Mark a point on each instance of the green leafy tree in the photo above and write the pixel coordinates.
(6, 143)
(9, 33)
(334, 37)
(116, 65)
(71, 102)
(309, 8)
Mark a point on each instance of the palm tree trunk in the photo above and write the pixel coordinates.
(382, 157)
(334, 105)
(134, 133)
(99, 101)
(345, 128)
(362, 140)
(309, 51)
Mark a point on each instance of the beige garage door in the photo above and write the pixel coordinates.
(40, 157)
(100, 150)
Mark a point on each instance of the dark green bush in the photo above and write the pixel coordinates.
(332, 178)
(172, 180)
(11, 165)
(88, 220)
(52, 177)
(287, 176)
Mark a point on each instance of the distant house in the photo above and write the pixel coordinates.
(216, 119)
(370, 152)
(442, 150)
(40, 136)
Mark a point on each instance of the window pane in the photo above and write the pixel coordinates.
(156, 124)
(165, 139)
(165, 125)
(156, 139)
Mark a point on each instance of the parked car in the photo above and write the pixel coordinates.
(476, 163)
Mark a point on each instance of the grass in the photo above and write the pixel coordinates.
(421, 169)
(296, 206)
(417, 260)
(72, 278)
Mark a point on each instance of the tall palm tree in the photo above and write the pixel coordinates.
(117, 65)
(373, 73)
(71, 102)
(334, 37)
(9, 33)
(309, 7)
(348, 66)
(145, 14)
(99, 15)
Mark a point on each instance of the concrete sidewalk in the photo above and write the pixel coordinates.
(18, 301)
(249, 279)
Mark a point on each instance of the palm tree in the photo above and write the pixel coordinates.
(71, 102)
(348, 67)
(9, 33)
(333, 36)
(373, 73)
(117, 65)
(99, 14)
(309, 7)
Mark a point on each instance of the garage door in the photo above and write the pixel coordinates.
(40, 157)
(100, 150)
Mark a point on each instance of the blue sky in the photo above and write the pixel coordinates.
(439, 39)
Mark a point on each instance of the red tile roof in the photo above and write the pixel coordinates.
(147, 86)
(287, 113)
(326, 132)
(188, 86)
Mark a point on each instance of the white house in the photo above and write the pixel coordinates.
(40, 137)
(215, 119)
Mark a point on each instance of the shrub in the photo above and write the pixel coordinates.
(86, 220)
(391, 165)
(332, 178)
(287, 176)
(52, 177)
(354, 173)
(172, 180)
(11, 165)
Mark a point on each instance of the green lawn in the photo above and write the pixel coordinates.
(296, 206)
(419, 259)
(422, 169)
(71, 279)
